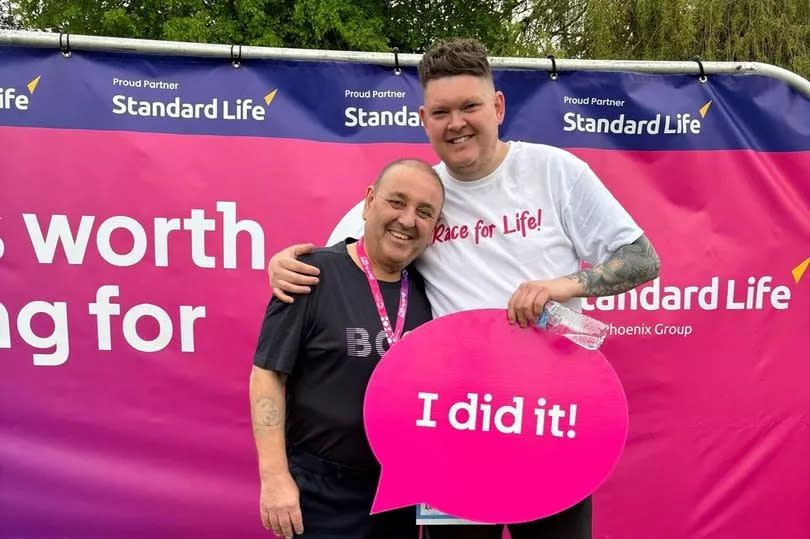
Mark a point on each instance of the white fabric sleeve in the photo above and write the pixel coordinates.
(595, 221)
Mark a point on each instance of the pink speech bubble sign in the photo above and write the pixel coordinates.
(484, 474)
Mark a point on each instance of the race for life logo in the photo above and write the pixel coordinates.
(241, 109)
(13, 99)
(682, 123)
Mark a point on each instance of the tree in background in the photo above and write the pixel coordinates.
(772, 31)
(343, 24)
(8, 16)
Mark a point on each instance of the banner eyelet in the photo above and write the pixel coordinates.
(64, 44)
(397, 69)
(236, 59)
(553, 75)
(702, 77)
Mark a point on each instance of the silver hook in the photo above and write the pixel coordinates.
(236, 59)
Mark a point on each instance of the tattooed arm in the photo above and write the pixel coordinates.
(279, 503)
(628, 267)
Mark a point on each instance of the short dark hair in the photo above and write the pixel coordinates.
(410, 162)
(456, 56)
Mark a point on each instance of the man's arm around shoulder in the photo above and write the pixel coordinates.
(289, 276)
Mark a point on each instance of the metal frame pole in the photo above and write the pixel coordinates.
(145, 46)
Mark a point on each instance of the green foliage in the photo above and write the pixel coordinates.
(335, 24)
(772, 31)
(414, 25)
(368, 25)
(9, 17)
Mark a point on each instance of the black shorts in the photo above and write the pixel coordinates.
(573, 523)
(336, 501)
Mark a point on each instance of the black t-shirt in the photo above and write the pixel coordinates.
(329, 342)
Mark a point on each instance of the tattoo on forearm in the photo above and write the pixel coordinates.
(628, 267)
(266, 413)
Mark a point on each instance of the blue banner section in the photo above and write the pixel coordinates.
(267, 98)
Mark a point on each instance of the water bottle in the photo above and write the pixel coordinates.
(585, 331)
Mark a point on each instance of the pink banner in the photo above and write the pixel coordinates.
(133, 242)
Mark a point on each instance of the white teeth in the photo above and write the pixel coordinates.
(460, 140)
(399, 235)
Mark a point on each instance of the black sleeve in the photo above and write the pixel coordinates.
(281, 335)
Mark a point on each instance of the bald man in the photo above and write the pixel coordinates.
(315, 357)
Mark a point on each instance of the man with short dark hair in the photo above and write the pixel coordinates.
(314, 359)
(570, 218)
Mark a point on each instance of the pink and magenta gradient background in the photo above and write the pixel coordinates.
(123, 443)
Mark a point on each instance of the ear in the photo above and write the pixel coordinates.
(500, 106)
(369, 199)
(422, 116)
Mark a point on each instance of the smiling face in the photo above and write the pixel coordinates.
(401, 211)
(461, 114)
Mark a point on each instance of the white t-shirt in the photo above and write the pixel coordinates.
(566, 216)
(537, 216)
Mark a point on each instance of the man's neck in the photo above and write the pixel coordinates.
(381, 271)
(497, 158)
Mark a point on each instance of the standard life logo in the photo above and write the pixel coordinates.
(682, 123)
(177, 108)
(13, 99)
(751, 294)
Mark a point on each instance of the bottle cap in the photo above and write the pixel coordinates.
(543, 320)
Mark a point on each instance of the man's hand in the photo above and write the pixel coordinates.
(527, 302)
(280, 507)
(289, 275)
(627, 267)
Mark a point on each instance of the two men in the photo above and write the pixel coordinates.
(487, 181)
(309, 377)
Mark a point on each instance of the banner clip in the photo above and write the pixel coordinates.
(64, 46)
(553, 75)
(397, 69)
(702, 77)
(236, 59)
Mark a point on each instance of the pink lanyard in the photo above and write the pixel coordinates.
(392, 336)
